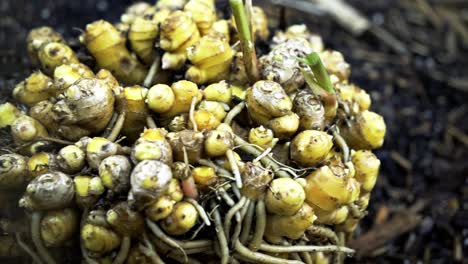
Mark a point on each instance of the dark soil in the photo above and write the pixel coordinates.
(421, 90)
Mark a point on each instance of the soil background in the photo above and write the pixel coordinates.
(416, 72)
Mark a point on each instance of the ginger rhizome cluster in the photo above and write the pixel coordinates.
(176, 143)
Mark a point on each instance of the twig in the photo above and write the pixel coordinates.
(455, 23)
(458, 83)
(426, 9)
(402, 161)
(301, 5)
(381, 234)
(345, 15)
(388, 39)
(458, 134)
(457, 249)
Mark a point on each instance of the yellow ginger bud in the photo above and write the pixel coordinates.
(279, 227)
(211, 57)
(203, 13)
(310, 147)
(35, 88)
(98, 239)
(183, 217)
(8, 114)
(178, 32)
(107, 45)
(262, 137)
(54, 54)
(367, 131)
(327, 190)
(367, 167)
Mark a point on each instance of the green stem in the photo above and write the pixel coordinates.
(328, 99)
(319, 70)
(249, 14)
(313, 85)
(245, 37)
